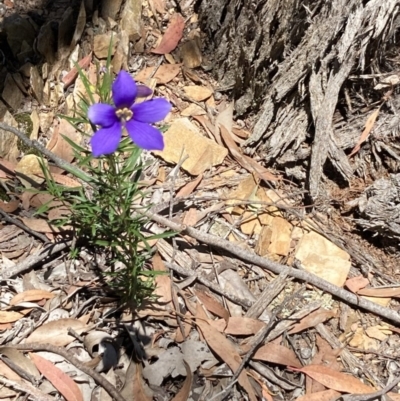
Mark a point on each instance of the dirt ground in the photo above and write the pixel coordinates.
(264, 296)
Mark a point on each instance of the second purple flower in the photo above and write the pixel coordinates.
(135, 118)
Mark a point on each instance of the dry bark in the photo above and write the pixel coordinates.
(290, 62)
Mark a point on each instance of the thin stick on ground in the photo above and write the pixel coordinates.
(31, 392)
(371, 396)
(19, 224)
(97, 377)
(230, 247)
(33, 260)
(260, 336)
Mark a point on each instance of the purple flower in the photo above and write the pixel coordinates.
(135, 118)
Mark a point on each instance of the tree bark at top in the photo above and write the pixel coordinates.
(288, 62)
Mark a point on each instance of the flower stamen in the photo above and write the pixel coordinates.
(124, 114)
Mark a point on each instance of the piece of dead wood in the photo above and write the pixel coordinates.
(348, 358)
(267, 296)
(32, 392)
(19, 224)
(33, 260)
(260, 336)
(97, 377)
(371, 396)
(221, 243)
(278, 268)
(245, 303)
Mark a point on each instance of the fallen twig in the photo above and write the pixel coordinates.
(32, 392)
(221, 243)
(19, 224)
(245, 303)
(32, 260)
(97, 377)
(371, 396)
(278, 268)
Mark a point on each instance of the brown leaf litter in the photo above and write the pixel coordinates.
(245, 243)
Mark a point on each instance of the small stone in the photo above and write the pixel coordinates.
(101, 45)
(12, 95)
(8, 141)
(25, 70)
(46, 42)
(323, 258)
(110, 8)
(131, 18)
(19, 30)
(36, 82)
(191, 53)
(27, 170)
(198, 93)
(183, 139)
(19, 82)
(193, 110)
(120, 59)
(280, 237)
(46, 120)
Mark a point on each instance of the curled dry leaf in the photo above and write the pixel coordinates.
(30, 296)
(134, 384)
(9, 207)
(8, 372)
(238, 326)
(66, 181)
(187, 189)
(172, 35)
(61, 381)
(184, 392)
(20, 360)
(213, 305)
(367, 130)
(355, 284)
(163, 289)
(245, 161)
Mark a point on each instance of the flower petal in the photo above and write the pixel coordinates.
(143, 91)
(145, 136)
(151, 111)
(106, 140)
(102, 114)
(124, 90)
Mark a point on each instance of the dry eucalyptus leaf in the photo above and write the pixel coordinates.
(164, 74)
(31, 295)
(20, 360)
(9, 316)
(172, 35)
(56, 332)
